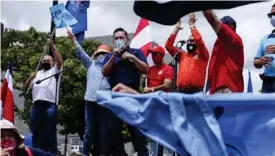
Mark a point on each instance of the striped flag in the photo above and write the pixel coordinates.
(7, 96)
(142, 39)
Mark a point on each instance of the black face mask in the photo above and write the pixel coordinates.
(46, 66)
(191, 47)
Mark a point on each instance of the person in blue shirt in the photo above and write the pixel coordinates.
(125, 65)
(96, 117)
(266, 57)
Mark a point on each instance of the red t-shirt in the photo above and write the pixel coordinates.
(157, 75)
(227, 61)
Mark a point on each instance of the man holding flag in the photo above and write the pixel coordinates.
(44, 110)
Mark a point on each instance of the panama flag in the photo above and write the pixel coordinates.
(7, 96)
(142, 39)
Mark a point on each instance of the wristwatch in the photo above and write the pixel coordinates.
(152, 89)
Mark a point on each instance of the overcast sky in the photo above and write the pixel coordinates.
(105, 16)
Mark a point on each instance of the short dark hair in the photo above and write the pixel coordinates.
(120, 29)
(273, 5)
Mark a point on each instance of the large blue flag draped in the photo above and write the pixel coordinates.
(79, 10)
(249, 85)
(198, 125)
(169, 13)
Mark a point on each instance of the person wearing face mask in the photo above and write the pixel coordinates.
(12, 142)
(96, 117)
(192, 64)
(225, 71)
(125, 65)
(44, 110)
(159, 77)
(266, 57)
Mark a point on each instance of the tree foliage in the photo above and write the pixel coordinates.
(24, 48)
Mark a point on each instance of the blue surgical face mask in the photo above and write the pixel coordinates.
(100, 58)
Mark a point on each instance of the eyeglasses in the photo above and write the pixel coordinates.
(119, 37)
(269, 15)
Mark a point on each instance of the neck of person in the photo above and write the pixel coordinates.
(159, 64)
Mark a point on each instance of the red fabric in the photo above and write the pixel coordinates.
(145, 48)
(7, 100)
(227, 61)
(157, 75)
(157, 49)
(192, 68)
(29, 151)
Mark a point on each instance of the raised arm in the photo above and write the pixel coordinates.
(57, 55)
(213, 20)
(81, 54)
(203, 52)
(169, 45)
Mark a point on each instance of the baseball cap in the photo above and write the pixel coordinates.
(157, 49)
(228, 20)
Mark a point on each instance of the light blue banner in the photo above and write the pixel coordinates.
(61, 17)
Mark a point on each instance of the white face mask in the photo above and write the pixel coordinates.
(272, 20)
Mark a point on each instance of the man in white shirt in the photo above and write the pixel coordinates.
(44, 109)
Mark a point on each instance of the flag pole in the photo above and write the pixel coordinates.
(52, 31)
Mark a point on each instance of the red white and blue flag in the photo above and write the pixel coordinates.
(142, 39)
(7, 104)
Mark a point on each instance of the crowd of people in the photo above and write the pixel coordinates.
(114, 68)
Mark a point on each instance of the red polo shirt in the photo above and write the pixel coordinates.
(227, 61)
(157, 75)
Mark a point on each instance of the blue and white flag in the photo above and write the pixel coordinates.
(234, 124)
(61, 17)
(169, 12)
(79, 10)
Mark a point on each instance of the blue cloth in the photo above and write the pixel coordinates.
(170, 12)
(28, 140)
(96, 129)
(43, 125)
(80, 13)
(269, 69)
(61, 17)
(95, 79)
(155, 149)
(249, 85)
(125, 71)
(187, 123)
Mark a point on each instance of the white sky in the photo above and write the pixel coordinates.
(105, 16)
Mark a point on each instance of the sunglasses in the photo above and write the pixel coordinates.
(269, 15)
(119, 37)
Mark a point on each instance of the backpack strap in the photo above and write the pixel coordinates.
(29, 152)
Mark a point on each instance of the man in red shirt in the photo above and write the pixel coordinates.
(159, 77)
(193, 63)
(227, 60)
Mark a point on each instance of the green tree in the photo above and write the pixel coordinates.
(24, 48)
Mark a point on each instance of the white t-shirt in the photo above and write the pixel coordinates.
(47, 88)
